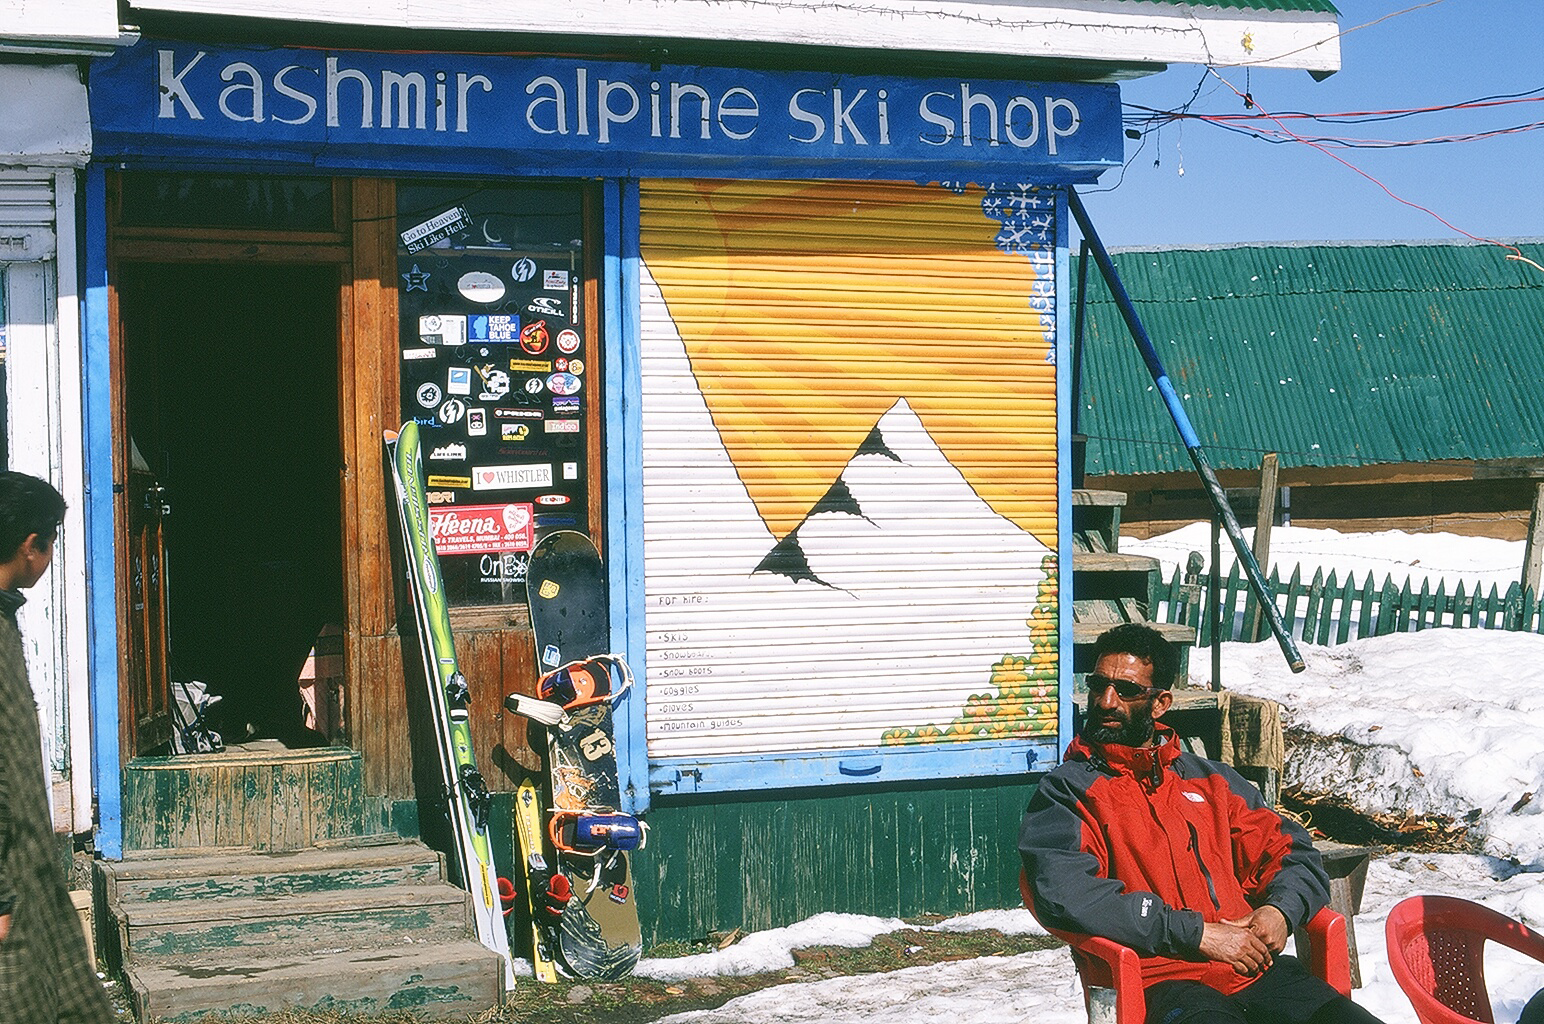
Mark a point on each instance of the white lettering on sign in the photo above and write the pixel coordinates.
(404, 97)
(617, 105)
(979, 119)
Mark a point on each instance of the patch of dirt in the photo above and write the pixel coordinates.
(642, 1000)
(1329, 816)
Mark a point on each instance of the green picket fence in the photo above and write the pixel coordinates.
(1327, 610)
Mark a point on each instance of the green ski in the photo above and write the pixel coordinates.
(465, 790)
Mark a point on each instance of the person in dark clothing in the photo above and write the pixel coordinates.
(46, 976)
(1176, 856)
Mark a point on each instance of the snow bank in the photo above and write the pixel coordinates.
(772, 950)
(1418, 557)
(1445, 721)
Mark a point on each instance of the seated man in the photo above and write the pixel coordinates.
(1133, 839)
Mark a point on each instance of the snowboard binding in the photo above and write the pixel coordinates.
(591, 834)
(604, 677)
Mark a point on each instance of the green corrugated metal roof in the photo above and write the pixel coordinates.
(1329, 355)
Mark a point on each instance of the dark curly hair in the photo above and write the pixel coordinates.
(1143, 643)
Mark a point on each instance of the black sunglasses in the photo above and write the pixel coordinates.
(1125, 689)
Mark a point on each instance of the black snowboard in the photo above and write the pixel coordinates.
(598, 935)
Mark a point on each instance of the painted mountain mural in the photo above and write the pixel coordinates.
(897, 605)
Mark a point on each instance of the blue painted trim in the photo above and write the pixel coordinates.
(844, 767)
(101, 573)
(1064, 672)
(624, 475)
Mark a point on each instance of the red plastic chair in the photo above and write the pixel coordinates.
(1437, 953)
(1111, 972)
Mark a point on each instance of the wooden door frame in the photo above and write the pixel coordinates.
(127, 245)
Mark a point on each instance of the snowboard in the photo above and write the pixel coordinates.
(598, 934)
(464, 788)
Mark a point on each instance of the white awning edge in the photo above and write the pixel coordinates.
(44, 120)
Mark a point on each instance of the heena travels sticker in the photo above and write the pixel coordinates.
(482, 529)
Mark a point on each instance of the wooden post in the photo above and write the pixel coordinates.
(1265, 517)
(1216, 589)
(1533, 551)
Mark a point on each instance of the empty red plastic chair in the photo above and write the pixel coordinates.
(1112, 973)
(1437, 953)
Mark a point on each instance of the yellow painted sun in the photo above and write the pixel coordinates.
(808, 309)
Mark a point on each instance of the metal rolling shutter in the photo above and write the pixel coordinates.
(26, 216)
(849, 445)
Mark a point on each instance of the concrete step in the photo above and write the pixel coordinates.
(306, 921)
(226, 874)
(437, 980)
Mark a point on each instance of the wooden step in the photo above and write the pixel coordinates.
(1089, 496)
(235, 874)
(312, 921)
(1112, 561)
(1175, 632)
(437, 980)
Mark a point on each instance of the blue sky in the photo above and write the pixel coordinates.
(1238, 189)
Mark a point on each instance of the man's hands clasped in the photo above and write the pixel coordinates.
(1248, 944)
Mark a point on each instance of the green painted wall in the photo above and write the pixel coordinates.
(757, 861)
(762, 860)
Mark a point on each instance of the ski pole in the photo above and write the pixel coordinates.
(1187, 433)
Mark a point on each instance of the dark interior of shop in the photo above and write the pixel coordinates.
(232, 394)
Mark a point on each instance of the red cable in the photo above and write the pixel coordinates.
(1517, 253)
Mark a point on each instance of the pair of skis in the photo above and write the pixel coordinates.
(582, 909)
(449, 697)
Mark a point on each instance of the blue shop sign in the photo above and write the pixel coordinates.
(182, 102)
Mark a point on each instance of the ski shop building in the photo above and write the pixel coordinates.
(781, 323)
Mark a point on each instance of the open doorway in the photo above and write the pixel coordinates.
(231, 390)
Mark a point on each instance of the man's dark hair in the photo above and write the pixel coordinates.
(1145, 644)
(27, 506)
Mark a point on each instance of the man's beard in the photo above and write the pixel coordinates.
(1135, 729)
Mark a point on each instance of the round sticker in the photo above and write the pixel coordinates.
(523, 270)
(533, 338)
(480, 286)
(533, 386)
(452, 411)
(429, 395)
(568, 341)
(563, 384)
(576, 366)
(495, 385)
(552, 499)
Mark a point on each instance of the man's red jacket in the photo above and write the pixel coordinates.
(1143, 845)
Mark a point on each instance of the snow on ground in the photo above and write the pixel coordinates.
(1041, 987)
(1442, 721)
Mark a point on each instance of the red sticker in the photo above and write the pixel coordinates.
(482, 529)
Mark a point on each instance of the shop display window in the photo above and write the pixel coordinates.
(498, 369)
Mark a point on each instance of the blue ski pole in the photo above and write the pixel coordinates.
(1187, 433)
